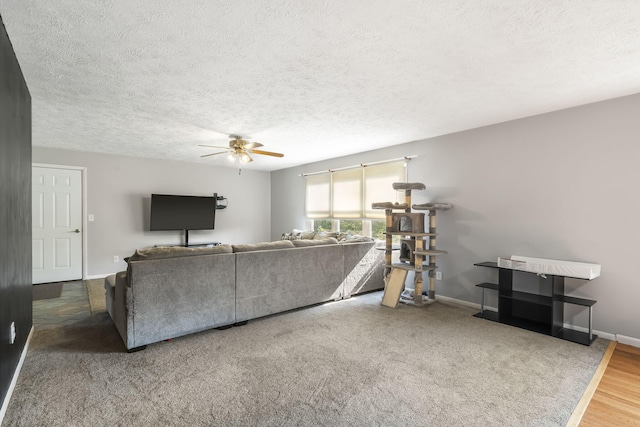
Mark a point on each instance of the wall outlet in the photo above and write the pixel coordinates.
(12, 335)
(116, 258)
(91, 218)
(438, 275)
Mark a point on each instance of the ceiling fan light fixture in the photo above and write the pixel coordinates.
(232, 157)
(244, 158)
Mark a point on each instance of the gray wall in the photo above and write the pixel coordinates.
(561, 185)
(119, 189)
(15, 212)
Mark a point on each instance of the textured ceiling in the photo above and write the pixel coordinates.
(313, 79)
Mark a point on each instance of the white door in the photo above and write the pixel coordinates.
(57, 224)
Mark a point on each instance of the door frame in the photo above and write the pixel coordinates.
(83, 204)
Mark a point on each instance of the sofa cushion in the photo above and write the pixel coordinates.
(290, 236)
(310, 234)
(320, 235)
(356, 238)
(162, 252)
(315, 242)
(306, 235)
(264, 246)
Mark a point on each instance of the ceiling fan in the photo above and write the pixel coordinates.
(241, 149)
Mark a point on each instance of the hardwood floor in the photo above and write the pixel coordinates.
(616, 400)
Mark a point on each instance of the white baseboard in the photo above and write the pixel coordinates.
(635, 342)
(601, 334)
(605, 335)
(14, 380)
(463, 303)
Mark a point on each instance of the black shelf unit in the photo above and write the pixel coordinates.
(535, 312)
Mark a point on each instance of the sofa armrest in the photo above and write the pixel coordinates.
(116, 291)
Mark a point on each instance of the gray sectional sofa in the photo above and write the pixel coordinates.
(169, 292)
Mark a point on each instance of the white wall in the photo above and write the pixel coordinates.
(119, 189)
(562, 185)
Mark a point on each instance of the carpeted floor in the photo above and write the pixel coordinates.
(349, 363)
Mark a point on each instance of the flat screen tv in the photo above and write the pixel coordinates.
(170, 212)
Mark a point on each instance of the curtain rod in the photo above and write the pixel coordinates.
(361, 165)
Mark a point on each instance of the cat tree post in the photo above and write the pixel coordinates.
(432, 257)
(388, 244)
(432, 252)
(418, 242)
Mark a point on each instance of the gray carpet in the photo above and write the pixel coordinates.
(350, 363)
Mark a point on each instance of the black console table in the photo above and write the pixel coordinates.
(534, 312)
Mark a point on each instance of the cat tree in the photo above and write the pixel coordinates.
(417, 247)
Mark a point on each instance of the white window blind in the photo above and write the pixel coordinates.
(347, 193)
(318, 196)
(378, 180)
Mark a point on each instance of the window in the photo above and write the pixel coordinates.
(341, 200)
(378, 228)
(346, 194)
(349, 193)
(322, 225)
(378, 180)
(318, 196)
(351, 226)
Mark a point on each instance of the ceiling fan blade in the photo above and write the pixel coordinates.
(251, 145)
(267, 153)
(213, 146)
(213, 154)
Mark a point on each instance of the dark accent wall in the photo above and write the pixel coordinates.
(15, 211)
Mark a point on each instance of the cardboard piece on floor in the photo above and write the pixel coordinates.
(394, 288)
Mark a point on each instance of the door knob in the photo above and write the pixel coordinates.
(76, 230)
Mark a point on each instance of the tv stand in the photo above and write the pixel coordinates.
(535, 312)
(195, 245)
